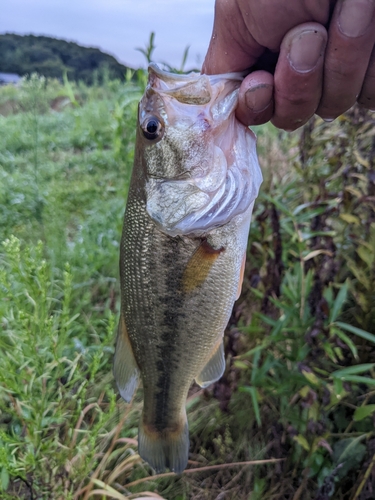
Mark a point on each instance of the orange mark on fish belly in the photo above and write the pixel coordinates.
(199, 266)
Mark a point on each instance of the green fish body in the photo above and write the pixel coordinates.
(194, 182)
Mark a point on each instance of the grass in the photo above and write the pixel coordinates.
(293, 415)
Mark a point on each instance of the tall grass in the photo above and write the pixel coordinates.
(293, 415)
(63, 185)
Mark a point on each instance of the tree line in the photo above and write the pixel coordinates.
(53, 57)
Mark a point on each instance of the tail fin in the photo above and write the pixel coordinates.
(165, 449)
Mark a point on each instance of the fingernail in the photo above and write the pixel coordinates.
(328, 120)
(306, 50)
(355, 17)
(258, 98)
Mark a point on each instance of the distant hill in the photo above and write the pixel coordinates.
(51, 57)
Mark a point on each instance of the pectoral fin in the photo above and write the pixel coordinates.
(125, 369)
(214, 369)
(199, 266)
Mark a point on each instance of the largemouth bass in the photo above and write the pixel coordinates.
(193, 186)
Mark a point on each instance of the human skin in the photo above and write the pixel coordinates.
(303, 57)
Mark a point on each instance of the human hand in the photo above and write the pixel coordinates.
(305, 57)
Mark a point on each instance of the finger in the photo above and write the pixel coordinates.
(367, 95)
(232, 47)
(351, 38)
(255, 99)
(299, 75)
(244, 28)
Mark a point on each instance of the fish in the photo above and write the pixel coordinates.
(183, 248)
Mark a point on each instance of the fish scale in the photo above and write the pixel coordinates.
(178, 284)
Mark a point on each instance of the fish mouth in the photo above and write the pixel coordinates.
(166, 76)
(193, 88)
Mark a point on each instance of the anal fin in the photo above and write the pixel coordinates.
(215, 367)
(125, 369)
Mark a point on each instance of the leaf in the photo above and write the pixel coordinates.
(329, 351)
(339, 302)
(302, 207)
(107, 494)
(364, 302)
(357, 331)
(107, 490)
(254, 370)
(348, 341)
(362, 161)
(320, 442)
(350, 219)
(184, 58)
(354, 191)
(258, 293)
(366, 255)
(148, 495)
(349, 454)
(311, 377)
(4, 479)
(315, 253)
(267, 320)
(356, 175)
(260, 347)
(301, 440)
(313, 234)
(283, 208)
(241, 365)
(338, 387)
(360, 274)
(363, 412)
(254, 398)
(149, 49)
(304, 391)
(353, 370)
(357, 379)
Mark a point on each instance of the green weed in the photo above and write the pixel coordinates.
(62, 200)
(298, 391)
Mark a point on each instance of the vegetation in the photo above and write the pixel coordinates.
(54, 58)
(298, 391)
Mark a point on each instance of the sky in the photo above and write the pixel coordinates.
(118, 26)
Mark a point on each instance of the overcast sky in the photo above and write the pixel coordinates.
(118, 26)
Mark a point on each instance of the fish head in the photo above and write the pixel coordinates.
(177, 123)
(189, 138)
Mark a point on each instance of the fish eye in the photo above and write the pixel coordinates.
(151, 128)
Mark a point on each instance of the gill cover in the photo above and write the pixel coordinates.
(202, 169)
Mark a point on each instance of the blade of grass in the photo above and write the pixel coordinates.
(203, 469)
(357, 331)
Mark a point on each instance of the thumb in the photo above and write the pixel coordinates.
(232, 47)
